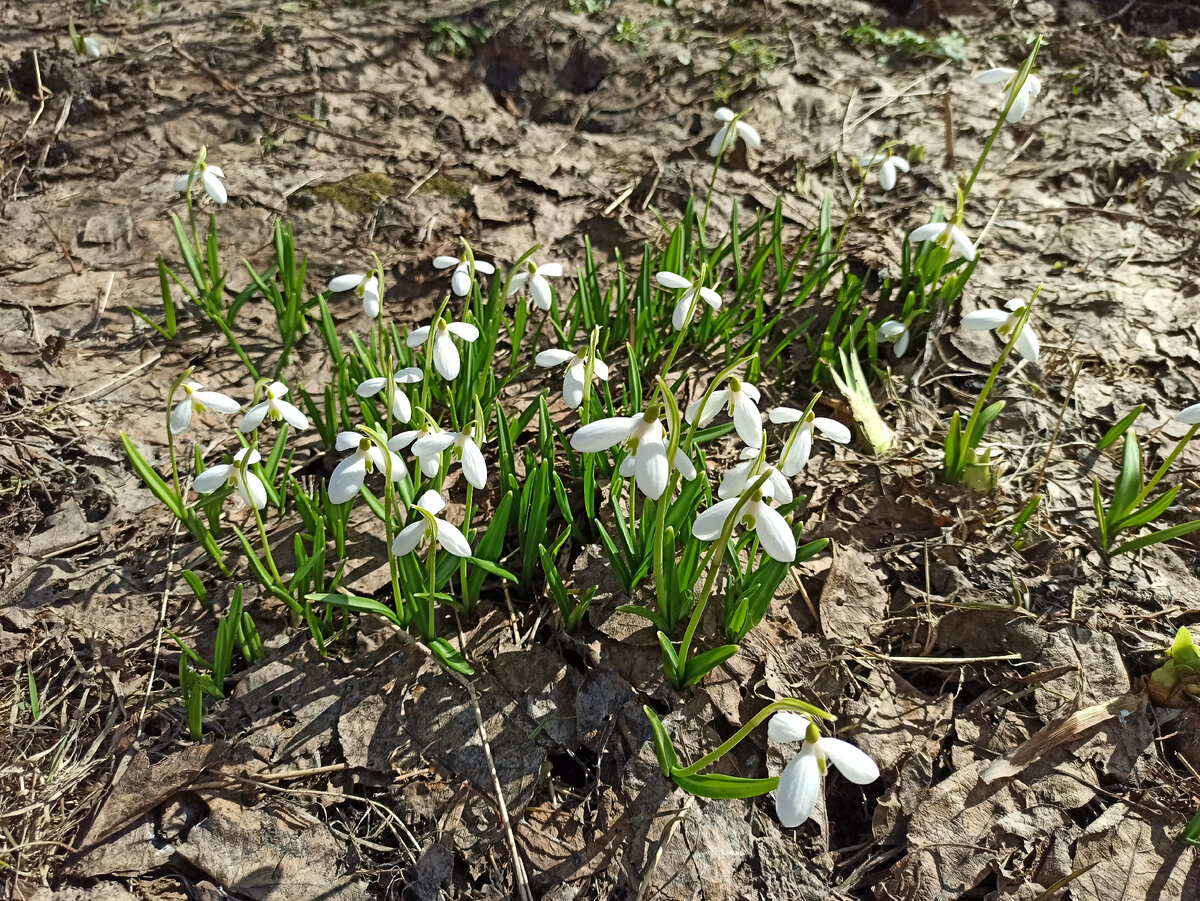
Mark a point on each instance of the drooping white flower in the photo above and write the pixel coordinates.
(889, 165)
(445, 354)
(249, 485)
(741, 399)
(466, 451)
(439, 530)
(347, 479)
(645, 439)
(430, 462)
(746, 473)
(799, 446)
(726, 138)
(756, 514)
(535, 277)
(800, 782)
(576, 371)
(1029, 90)
(463, 276)
(686, 304)
(1189, 415)
(1004, 322)
(366, 286)
(401, 408)
(210, 177)
(197, 400)
(91, 47)
(275, 407)
(947, 234)
(896, 333)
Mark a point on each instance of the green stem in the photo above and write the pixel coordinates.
(754, 722)
(850, 213)
(427, 629)
(266, 545)
(1162, 470)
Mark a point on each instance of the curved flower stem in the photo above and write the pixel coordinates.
(712, 183)
(754, 722)
(427, 626)
(1162, 470)
(170, 437)
(862, 182)
(266, 545)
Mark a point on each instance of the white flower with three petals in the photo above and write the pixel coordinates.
(465, 450)
(726, 137)
(197, 400)
(946, 234)
(746, 473)
(464, 275)
(798, 449)
(1004, 321)
(889, 165)
(210, 177)
(401, 407)
(1189, 415)
(741, 399)
(800, 782)
(275, 407)
(347, 479)
(365, 285)
(645, 439)
(1020, 104)
(576, 362)
(430, 462)
(756, 514)
(445, 354)
(91, 47)
(534, 277)
(896, 334)
(431, 528)
(238, 474)
(685, 306)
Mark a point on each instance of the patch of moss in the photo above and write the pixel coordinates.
(358, 193)
(447, 187)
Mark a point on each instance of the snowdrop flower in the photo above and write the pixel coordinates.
(445, 355)
(197, 400)
(1004, 322)
(1189, 415)
(401, 408)
(800, 783)
(745, 474)
(687, 301)
(276, 408)
(430, 462)
(645, 439)
(433, 528)
(463, 276)
(741, 399)
(1029, 90)
(210, 177)
(347, 479)
(799, 446)
(888, 167)
(365, 286)
(576, 371)
(466, 451)
(91, 47)
(896, 333)
(249, 485)
(726, 138)
(757, 514)
(945, 234)
(535, 277)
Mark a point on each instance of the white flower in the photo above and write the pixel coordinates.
(249, 486)
(741, 399)
(463, 277)
(799, 446)
(210, 177)
(1029, 90)
(401, 408)
(466, 451)
(1004, 322)
(445, 354)
(347, 479)
(645, 439)
(576, 371)
(945, 233)
(725, 139)
(800, 783)
(745, 474)
(91, 47)
(365, 286)
(197, 400)
(756, 514)
(889, 165)
(535, 276)
(895, 332)
(439, 530)
(1189, 415)
(276, 407)
(687, 301)
(430, 462)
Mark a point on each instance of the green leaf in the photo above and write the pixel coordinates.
(446, 653)
(1101, 516)
(715, 785)
(1146, 514)
(152, 480)
(1156, 537)
(1129, 482)
(355, 603)
(1119, 429)
(664, 749)
(659, 622)
(196, 585)
(702, 664)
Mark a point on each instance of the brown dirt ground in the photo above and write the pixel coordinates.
(550, 130)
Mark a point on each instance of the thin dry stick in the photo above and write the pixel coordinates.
(42, 94)
(61, 246)
(668, 833)
(162, 620)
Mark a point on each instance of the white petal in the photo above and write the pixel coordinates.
(217, 171)
(551, 270)
(651, 469)
(401, 407)
(485, 267)
(181, 416)
(370, 387)
(218, 403)
(473, 465)
(797, 454)
(430, 466)
(463, 330)
(539, 289)
(213, 186)
(887, 175)
(347, 440)
(1017, 303)
(832, 429)
(555, 356)
(1189, 415)
(600, 368)
(409, 376)
(431, 501)
(683, 311)
(417, 336)
(602, 434)
(1020, 106)
(1027, 344)
(408, 539)
(517, 282)
(709, 523)
(444, 262)
(751, 392)
(719, 142)
(181, 182)
(962, 243)
(572, 389)
(452, 539)
(747, 422)
(212, 478)
(899, 162)
(399, 470)
(254, 417)
(799, 786)
(291, 415)
(785, 414)
(277, 389)
(684, 464)
(460, 282)
(711, 297)
(774, 533)
(995, 76)
(928, 232)
(445, 357)
(748, 134)
(984, 320)
(890, 329)
(1033, 85)
(346, 282)
(734, 482)
(370, 305)
(403, 440)
(252, 490)
(91, 46)
(901, 345)
(432, 444)
(781, 489)
(850, 761)
(787, 726)
(672, 280)
(347, 479)
(724, 114)
(626, 468)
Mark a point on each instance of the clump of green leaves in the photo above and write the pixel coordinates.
(450, 39)
(904, 43)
